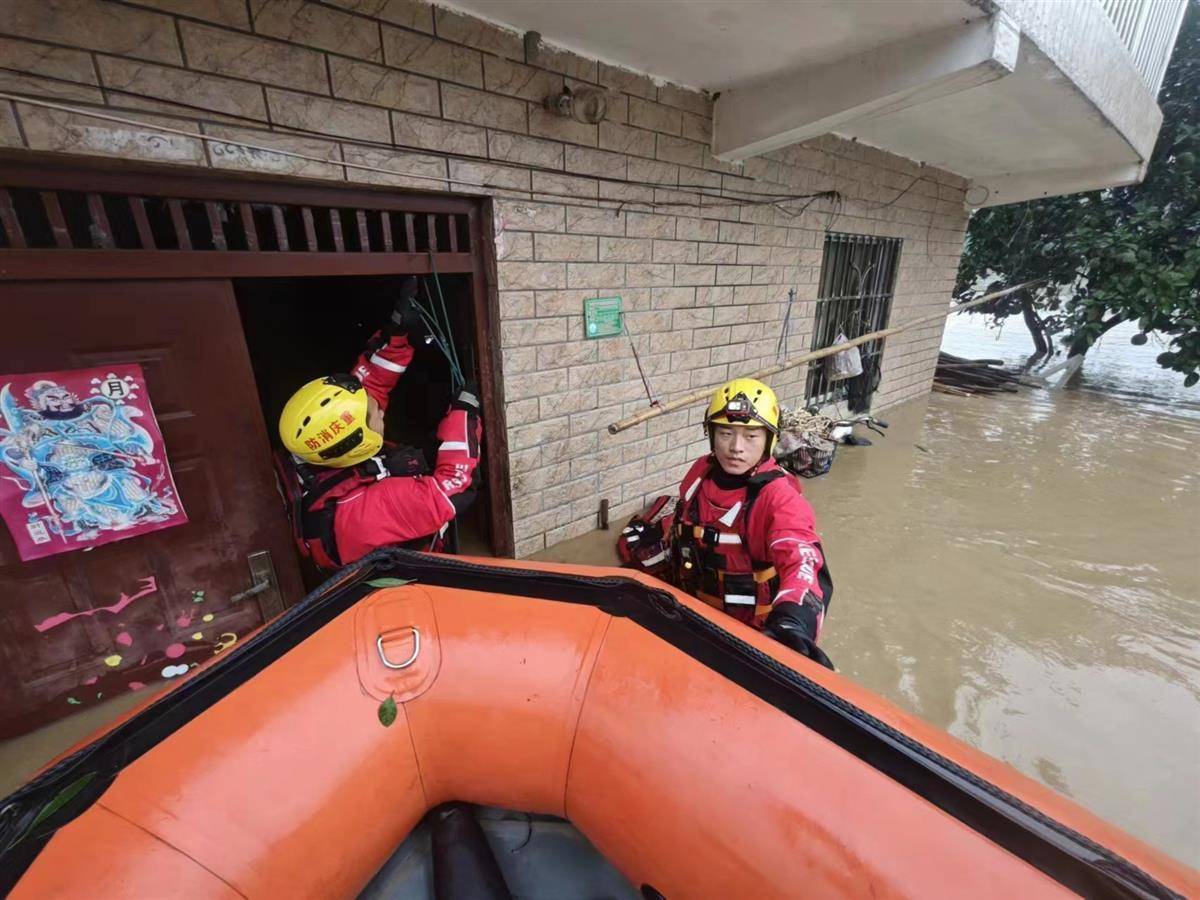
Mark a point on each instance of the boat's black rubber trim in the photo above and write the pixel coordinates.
(1072, 859)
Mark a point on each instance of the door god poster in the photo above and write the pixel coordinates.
(82, 461)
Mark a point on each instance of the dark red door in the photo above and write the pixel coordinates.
(182, 584)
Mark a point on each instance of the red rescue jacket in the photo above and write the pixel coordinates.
(339, 515)
(744, 543)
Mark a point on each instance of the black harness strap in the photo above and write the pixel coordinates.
(313, 513)
(754, 486)
(712, 577)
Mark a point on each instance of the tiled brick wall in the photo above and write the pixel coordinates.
(587, 211)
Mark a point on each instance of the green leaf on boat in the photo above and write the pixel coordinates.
(387, 712)
(61, 799)
(390, 582)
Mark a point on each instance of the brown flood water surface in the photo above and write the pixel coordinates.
(1024, 572)
(1030, 582)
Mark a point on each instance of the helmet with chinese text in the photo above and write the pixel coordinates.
(325, 423)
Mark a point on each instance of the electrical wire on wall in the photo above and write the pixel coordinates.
(725, 198)
(789, 205)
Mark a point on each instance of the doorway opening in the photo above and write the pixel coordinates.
(298, 329)
(162, 246)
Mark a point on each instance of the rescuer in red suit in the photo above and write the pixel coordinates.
(348, 491)
(744, 537)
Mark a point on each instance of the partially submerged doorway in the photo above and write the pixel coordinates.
(298, 329)
(73, 233)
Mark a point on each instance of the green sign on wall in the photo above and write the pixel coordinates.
(602, 317)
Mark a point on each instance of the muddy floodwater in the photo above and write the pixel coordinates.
(1024, 572)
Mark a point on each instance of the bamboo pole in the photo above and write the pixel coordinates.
(706, 393)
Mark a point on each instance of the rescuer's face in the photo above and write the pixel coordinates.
(739, 449)
(374, 416)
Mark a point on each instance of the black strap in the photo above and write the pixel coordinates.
(754, 487)
(317, 526)
(319, 482)
(693, 505)
(314, 515)
(687, 515)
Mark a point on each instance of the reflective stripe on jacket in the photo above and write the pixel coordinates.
(748, 545)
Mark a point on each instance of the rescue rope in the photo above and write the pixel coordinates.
(440, 329)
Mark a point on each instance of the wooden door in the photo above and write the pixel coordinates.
(179, 587)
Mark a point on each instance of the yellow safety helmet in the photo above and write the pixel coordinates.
(325, 423)
(746, 403)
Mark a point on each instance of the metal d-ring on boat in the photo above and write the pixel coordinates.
(416, 651)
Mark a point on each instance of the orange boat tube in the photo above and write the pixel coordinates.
(700, 758)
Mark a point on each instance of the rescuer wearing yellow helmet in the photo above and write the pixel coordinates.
(348, 492)
(742, 537)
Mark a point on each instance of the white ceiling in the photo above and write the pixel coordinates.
(714, 44)
(1035, 125)
(1031, 120)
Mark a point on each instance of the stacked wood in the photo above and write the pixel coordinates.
(965, 377)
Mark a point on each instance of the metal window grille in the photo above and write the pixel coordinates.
(858, 278)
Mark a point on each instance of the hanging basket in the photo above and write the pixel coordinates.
(810, 460)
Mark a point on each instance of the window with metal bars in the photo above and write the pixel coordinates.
(858, 278)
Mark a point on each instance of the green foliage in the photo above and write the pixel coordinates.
(1125, 254)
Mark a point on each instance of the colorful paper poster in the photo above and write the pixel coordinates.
(82, 461)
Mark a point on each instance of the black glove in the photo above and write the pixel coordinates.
(462, 502)
(405, 317)
(793, 624)
(644, 534)
(650, 532)
(468, 398)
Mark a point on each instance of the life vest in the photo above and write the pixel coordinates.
(713, 562)
(311, 494)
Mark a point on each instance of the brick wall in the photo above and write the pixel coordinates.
(588, 210)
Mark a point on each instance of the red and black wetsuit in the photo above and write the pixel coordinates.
(744, 543)
(376, 505)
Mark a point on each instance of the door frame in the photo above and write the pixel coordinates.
(50, 173)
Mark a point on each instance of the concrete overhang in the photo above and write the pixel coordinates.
(1023, 98)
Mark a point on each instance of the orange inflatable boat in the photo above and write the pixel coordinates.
(651, 747)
